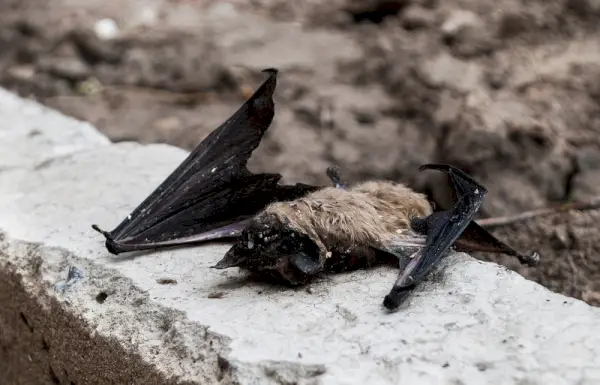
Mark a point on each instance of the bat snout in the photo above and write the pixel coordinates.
(234, 257)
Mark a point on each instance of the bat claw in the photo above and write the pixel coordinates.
(530, 260)
(434, 166)
(396, 297)
(459, 178)
(439, 167)
(270, 71)
(333, 172)
(112, 246)
(98, 229)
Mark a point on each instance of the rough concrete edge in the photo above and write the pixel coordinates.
(28, 272)
(175, 358)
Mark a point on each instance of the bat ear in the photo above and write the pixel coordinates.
(306, 263)
(233, 258)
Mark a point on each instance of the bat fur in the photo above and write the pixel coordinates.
(368, 213)
(346, 228)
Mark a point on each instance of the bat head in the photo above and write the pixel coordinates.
(270, 248)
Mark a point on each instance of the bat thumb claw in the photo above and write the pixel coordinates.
(334, 174)
(111, 245)
(435, 166)
(98, 229)
(396, 297)
(271, 70)
(530, 260)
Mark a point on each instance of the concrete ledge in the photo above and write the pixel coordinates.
(471, 323)
(31, 133)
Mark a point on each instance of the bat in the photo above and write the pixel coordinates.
(293, 233)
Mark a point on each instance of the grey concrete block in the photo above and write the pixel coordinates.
(470, 323)
(31, 133)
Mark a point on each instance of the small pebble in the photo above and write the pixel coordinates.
(106, 29)
(514, 23)
(166, 281)
(459, 20)
(415, 17)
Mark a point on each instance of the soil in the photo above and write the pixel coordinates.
(509, 91)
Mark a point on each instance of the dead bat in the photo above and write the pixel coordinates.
(295, 232)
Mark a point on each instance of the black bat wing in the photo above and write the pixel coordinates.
(476, 238)
(211, 194)
(442, 229)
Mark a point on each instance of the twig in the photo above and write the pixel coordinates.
(574, 269)
(593, 203)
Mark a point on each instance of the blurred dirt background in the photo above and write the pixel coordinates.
(506, 90)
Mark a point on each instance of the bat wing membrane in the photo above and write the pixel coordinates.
(451, 228)
(211, 193)
(442, 229)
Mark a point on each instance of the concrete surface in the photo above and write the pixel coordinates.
(471, 323)
(31, 134)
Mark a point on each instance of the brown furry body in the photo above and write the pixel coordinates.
(344, 225)
(366, 214)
